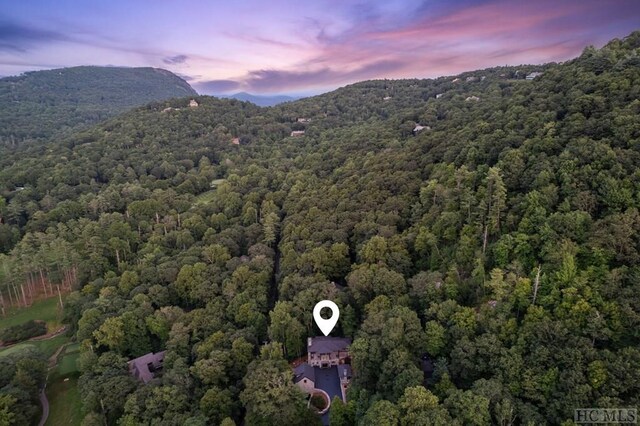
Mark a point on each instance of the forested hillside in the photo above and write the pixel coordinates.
(39, 104)
(502, 240)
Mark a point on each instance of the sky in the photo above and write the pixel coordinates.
(303, 47)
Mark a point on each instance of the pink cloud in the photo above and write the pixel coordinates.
(495, 33)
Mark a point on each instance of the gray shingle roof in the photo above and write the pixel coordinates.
(139, 367)
(304, 371)
(325, 345)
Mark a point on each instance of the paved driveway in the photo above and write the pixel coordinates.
(328, 380)
(45, 407)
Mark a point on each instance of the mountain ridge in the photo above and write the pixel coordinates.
(480, 234)
(260, 100)
(38, 104)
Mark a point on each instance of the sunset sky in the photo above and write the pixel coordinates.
(303, 47)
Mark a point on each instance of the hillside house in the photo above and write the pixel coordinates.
(193, 103)
(326, 352)
(146, 367)
(472, 99)
(297, 133)
(439, 95)
(303, 120)
(235, 141)
(533, 75)
(386, 98)
(327, 369)
(472, 78)
(420, 128)
(305, 377)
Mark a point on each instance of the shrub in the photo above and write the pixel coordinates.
(24, 331)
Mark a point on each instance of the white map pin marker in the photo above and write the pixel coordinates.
(326, 325)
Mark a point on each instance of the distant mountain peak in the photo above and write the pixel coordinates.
(72, 98)
(260, 100)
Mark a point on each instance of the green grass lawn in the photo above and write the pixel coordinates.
(48, 347)
(62, 387)
(205, 198)
(68, 364)
(216, 182)
(72, 348)
(65, 406)
(44, 310)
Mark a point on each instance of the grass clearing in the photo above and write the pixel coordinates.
(48, 347)
(72, 348)
(46, 310)
(68, 364)
(65, 405)
(205, 198)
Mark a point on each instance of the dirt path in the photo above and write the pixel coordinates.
(53, 359)
(49, 335)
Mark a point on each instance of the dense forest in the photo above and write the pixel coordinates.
(502, 240)
(40, 104)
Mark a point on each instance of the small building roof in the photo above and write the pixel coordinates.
(325, 345)
(139, 367)
(297, 133)
(344, 371)
(304, 371)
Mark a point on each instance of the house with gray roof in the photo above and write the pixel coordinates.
(326, 351)
(305, 377)
(146, 367)
(327, 370)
